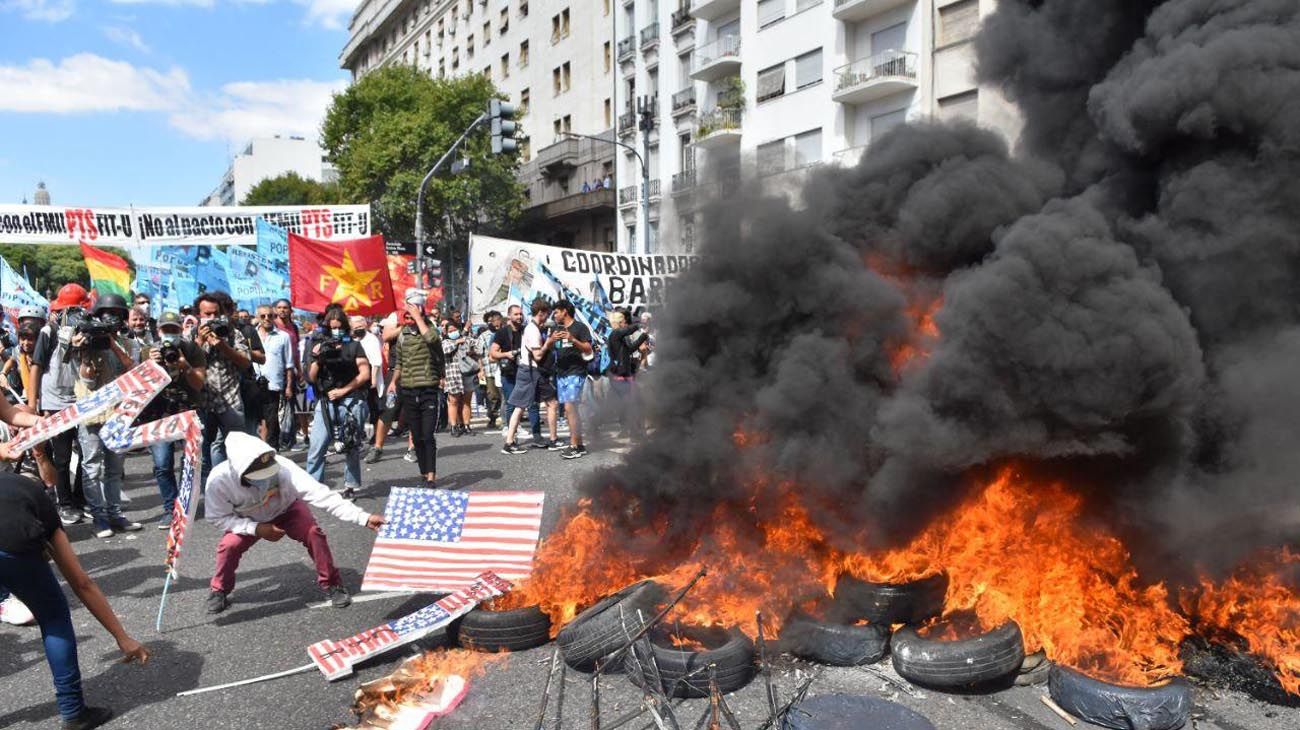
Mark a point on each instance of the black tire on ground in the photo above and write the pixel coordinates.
(837, 644)
(729, 651)
(991, 656)
(852, 712)
(604, 628)
(892, 603)
(1162, 707)
(514, 630)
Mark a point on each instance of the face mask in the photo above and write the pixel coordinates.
(171, 338)
(358, 334)
(262, 485)
(453, 335)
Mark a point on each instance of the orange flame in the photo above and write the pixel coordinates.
(1257, 603)
(416, 677)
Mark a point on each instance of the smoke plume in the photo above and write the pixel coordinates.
(1118, 299)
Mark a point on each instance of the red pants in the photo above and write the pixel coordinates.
(298, 523)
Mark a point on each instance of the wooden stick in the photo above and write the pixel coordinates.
(546, 689)
(559, 696)
(1051, 705)
(798, 697)
(595, 698)
(764, 666)
(242, 682)
(715, 721)
(727, 714)
(902, 686)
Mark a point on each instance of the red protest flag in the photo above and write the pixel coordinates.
(352, 273)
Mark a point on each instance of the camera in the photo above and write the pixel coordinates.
(220, 326)
(170, 352)
(99, 331)
(6, 339)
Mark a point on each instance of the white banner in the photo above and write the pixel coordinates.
(504, 272)
(176, 226)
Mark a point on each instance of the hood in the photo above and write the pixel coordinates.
(243, 450)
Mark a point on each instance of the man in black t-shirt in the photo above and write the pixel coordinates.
(187, 365)
(573, 349)
(337, 368)
(505, 351)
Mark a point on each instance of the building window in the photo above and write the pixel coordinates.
(428, 41)
(687, 152)
(523, 54)
(606, 8)
(808, 69)
(960, 106)
(469, 46)
(560, 26)
(770, 11)
(609, 58)
(504, 23)
(958, 22)
(556, 77)
(771, 82)
(568, 122)
(487, 73)
(523, 8)
(523, 102)
(770, 157)
(567, 75)
(802, 5)
(653, 86)
(609, 112)
(557, 126)
(505, 65)
(487, 32)
(808, 147)
(882, 123)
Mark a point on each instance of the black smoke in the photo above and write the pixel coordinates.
(1120, 294)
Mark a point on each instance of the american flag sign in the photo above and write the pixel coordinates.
(435, 539)
(127, 396)
(335, 658)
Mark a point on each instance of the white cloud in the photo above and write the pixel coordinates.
(332, 14)
(87, 83)
(248, 109)
(126, 37)
(194, 3)
(50, 11)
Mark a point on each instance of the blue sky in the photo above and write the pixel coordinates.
(119, 102)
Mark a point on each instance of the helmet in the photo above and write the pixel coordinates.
(70, 295)
(31, 313)
(110, 301)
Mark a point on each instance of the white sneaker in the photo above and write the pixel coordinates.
(13, 611)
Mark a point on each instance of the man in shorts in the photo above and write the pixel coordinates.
(533, 379)
(572, 349)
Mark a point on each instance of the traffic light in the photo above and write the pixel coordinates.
(433, 274)
(503, 130)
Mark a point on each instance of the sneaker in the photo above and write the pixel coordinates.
(537, 443)
(125, 498)
(70, 516)
(455, 431)
(373, 456)
(122, 524)
(103, 529)
(15, 612)
(556, 445)
(410, 456)
(574, 452)
(350, 493)
(165, 522)
(339, 597)
(90, 717)
(466, 431)
(512, 449)
(217, 602)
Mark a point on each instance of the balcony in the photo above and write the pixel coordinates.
(626, 47)
(849, 156)
(650, 36)
(560, 159)
(684, 182)
(718, 127)
(682, 20)
(710, 9)
(579, 203)
(889, 72)
(654, 189)
(627, 123)
(717, 59)
(684, 101)
(851, 11)
(627, 196)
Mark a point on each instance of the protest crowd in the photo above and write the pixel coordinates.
(268, 383)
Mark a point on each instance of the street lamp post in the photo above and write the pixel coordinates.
(419, 199)
(646, 123)
(645, 180)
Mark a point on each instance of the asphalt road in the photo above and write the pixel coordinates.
(270, 624)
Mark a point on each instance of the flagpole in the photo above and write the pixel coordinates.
(254, 680)
(163, 603)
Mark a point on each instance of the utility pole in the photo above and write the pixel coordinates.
(646, 107)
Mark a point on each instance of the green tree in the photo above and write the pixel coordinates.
(291, 189)
(386, 131)
(50, 266)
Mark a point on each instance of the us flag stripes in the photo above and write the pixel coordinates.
(335, 658)
(435, 540)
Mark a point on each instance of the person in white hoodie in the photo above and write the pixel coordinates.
(256, 495)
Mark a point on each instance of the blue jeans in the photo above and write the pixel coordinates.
(215, 428)
(534, 415)
(164, 472)
(31, 580)
(103, 470)
(351, 407)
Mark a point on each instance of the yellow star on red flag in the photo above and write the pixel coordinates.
(354, 286)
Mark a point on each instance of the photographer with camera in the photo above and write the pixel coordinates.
(188, 367)
(101, 352)
(339, 372)
(54, 380)
(227, 354)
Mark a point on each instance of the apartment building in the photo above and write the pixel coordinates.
(270, 157)
(554, 58)
(774, 87)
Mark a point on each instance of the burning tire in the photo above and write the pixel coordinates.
(985, 658)
(604, 628)
(836, 644)
(729, 651)
(1162, 707)
(892, 603)
(514, 630)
